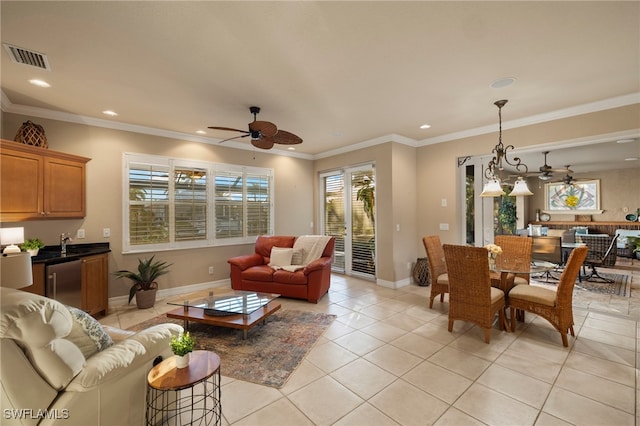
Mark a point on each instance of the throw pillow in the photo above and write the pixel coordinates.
(280, 256)
(297, 256)
(87, 333)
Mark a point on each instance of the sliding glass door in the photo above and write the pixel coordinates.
(348, 214)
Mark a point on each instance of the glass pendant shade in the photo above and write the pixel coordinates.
(492, 189)
(520, 188)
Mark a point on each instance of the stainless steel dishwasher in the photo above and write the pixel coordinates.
(64, 281)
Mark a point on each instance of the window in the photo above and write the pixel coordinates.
(175, 203)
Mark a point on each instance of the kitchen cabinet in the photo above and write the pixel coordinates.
(38, 183)
(95, 284)
(38, 285)
(87, 289)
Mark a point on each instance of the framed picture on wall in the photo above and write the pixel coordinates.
(579, 198)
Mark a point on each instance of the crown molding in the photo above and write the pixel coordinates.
(605, 104)
(602, 105)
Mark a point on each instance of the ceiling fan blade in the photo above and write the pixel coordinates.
(235, 137)
(286, 138)
(266, 128)
(263, 143)
(227, 128)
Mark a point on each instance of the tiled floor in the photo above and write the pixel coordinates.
(388, 359)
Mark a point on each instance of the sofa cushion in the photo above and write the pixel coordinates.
(280, 256)
(40, 325)
(87, 333)
(258, 273)
(286, 277)
(264, 244)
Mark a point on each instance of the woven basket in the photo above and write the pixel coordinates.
(32, 134)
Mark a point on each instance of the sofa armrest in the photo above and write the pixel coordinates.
(318, 264)
(246, 261)
(120, 359)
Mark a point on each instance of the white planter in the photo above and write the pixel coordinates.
(33, 252)
(183, 361)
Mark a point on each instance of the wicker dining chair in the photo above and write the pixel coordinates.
(516, 252)
(437, 268)
(471, 296)
(554, 306)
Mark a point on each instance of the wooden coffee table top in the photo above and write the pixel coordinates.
(238, 321)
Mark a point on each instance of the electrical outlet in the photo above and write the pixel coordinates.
(106, 232)
(80, 234)
(211, 270)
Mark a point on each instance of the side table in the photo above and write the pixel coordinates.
(185, 396)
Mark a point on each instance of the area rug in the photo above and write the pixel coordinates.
(271, 352)
(620, 287)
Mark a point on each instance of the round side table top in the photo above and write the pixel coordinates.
(165, 376)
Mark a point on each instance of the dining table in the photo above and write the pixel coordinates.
(505, 271)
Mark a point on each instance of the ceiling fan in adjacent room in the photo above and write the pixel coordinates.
(546, 171)
(264, 134)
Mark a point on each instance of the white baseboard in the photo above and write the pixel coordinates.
(174, 291)
(393, 284)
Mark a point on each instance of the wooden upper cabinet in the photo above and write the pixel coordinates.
(37, 183)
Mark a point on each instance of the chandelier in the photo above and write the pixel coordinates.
(493, 188)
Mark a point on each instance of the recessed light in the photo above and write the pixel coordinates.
(291, 148)
(631, 159)
(625, 140)
(503, 82)
(110, 113)
(201, 132)
(39, 83)
(425, 126)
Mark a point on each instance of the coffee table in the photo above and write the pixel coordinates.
(241, 310)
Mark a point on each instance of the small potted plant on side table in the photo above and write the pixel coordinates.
(32, 246)
(182, 346)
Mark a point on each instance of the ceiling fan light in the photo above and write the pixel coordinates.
(544, 177)
(520, 188)
(492, 189)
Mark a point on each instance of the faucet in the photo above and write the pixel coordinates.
(64, 239)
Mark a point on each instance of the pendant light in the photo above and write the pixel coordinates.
(493, 187)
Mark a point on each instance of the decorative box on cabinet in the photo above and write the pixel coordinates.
(38, 183)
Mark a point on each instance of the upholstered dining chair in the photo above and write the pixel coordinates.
(471, 296)
(437, 268)
(554, 306)
(516, 252)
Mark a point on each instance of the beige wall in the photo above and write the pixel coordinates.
(294, 179)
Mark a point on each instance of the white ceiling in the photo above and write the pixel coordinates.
(334, 73)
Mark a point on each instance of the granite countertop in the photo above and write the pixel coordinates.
(52, 254)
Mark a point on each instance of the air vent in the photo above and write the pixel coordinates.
(27, 57)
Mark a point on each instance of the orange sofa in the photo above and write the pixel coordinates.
(253, 273)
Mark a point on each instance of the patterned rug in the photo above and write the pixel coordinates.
(620, 287)
(270, 353)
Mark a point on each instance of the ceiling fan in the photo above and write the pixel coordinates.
(264, 134)
(546, 171)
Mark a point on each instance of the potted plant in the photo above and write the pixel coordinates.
(634, 245)
(144, 286)
(182, 345)
(32, 246)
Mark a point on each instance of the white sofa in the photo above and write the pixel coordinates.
(59, 367)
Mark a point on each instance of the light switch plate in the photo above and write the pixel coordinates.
(80, 234)
(444, 226)
(106, 232)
